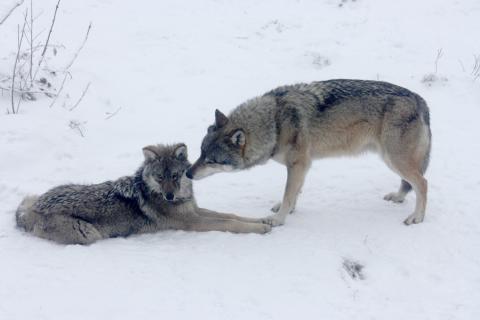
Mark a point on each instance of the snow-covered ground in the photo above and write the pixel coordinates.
(165, 66)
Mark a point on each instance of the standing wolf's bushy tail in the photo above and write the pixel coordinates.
(25, 217)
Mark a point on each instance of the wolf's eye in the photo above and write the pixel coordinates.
(159, 178)
(175, 177)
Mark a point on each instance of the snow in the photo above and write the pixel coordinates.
(165, 66)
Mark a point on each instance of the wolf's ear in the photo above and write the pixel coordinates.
(238, 138)
(181, 152)
(220, 119)
(149, 153)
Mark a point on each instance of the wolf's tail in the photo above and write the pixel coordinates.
(25, 216)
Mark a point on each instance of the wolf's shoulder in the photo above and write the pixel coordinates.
(126, 187)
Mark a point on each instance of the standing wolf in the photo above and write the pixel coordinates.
(157, 197)
(295, 124)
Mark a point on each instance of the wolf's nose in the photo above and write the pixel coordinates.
(189, 174)
(169, 196)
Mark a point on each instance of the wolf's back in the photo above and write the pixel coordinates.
(25, 216)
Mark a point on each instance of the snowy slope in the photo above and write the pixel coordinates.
(168, 65)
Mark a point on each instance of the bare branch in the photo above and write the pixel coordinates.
(461, 65)
(81, 97)
(439, 55)
(23, 92)
(476, 67)
(80, 48)
(42, 57)
(20, 39)
(9, 13)
(50, 31)
(77, 125)
(32, 61)
(61, 88)
(110, 115)
(31, 44)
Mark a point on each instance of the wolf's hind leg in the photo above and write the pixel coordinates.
(406, 144)
(410, 169)
(66, 230)
(399, 196)
(420, 185)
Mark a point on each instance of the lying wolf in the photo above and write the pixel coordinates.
(296, 124)
(157, 197)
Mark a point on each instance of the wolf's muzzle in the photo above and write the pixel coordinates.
(191, 171)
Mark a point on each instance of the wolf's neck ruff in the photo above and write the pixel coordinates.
(261, 134)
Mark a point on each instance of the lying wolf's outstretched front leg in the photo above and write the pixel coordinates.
(212, 214)
(296, 171)
(198, 222)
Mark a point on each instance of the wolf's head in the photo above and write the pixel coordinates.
(164, 171)
(222, 149)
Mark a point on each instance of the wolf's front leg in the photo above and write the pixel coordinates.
(212, 214)
(202, 223)
(295, 177)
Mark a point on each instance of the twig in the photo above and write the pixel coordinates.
(23, 92)
(73, 124)
(50, 31)
(439, 55)
(476, 67)
(42, 57)
(476, 63)
(80, 48)
(21, 66)
(31, 44)
(61, 88)
(81, 97)
(15, 6)
(19, 39)
(461, 65)
(38, 35)
(18, 103)
(113, 113)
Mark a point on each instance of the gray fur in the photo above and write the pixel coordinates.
(298, 123)
(82, 214)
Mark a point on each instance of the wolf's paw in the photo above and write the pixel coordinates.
(395, 197)
(277, 206)
(258, 228)
(266, 228)
(273, 220)
(414, 218)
